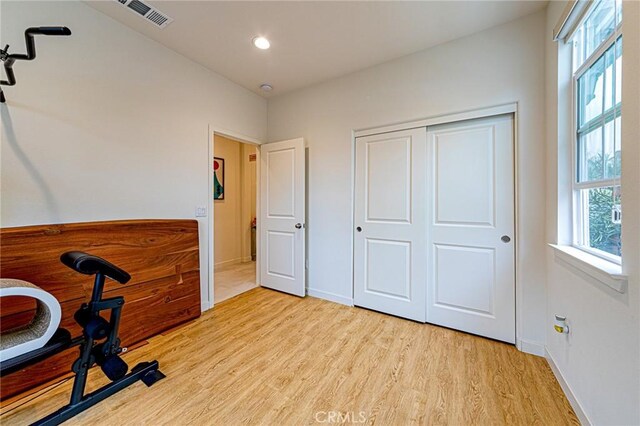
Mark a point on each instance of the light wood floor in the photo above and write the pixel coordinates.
(269, 358)
(231, 280)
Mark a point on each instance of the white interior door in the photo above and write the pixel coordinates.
(282, 207)
(471, 281)
(390, 218)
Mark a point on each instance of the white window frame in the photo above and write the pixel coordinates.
(577, 205)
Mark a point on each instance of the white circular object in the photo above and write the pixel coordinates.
(261, 43)
(266, 87)
(44, 325)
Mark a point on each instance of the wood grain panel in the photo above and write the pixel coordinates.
(162, 257)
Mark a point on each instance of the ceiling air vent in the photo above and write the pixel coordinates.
(149, 13)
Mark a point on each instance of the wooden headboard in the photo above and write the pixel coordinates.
(162, 257)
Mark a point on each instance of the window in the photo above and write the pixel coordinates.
(597, 56)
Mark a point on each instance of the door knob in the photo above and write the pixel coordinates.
(298, 225)
(505, 239)
(359, 229)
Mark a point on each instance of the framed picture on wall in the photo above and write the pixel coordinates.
(218, 178)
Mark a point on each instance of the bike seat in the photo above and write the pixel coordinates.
(91, 265)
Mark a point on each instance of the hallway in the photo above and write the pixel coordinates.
(231, 280)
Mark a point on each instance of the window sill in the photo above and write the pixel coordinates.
(608, 273)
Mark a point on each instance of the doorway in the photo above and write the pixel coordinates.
(235, 217)
(434, 225)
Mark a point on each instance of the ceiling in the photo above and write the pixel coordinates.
(311, 41)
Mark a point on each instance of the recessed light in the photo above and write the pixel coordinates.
(266, 87)
(261, 43)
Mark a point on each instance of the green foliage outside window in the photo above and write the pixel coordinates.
(604, 234)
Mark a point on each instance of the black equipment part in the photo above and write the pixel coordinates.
(146, 374)
(94, 328)
(113, 367)
(10, 59)
(97, 328)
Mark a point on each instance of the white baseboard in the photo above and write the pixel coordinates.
(332, 297)
(228, 262)
(582, 416)
(205, 305)
(533, 348)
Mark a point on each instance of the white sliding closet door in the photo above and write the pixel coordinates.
(390, 220)
(471, 278)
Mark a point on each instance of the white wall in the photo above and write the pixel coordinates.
(107, 124)
(600, 358)
(500, 65)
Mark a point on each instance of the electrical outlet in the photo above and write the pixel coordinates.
(201, 211)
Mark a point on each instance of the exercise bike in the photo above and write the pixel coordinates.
(99, 343)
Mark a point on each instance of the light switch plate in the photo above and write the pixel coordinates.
(201, 211)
